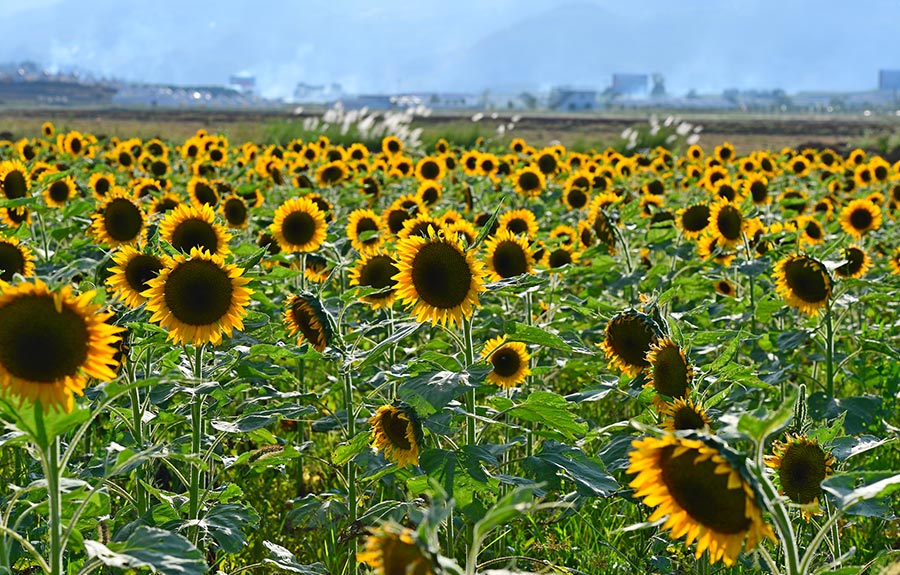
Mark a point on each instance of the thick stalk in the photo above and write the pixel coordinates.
(783, 524)
(351, 467)
(829, 352)
(196, 436)
(301, 428)
(470, 395)
(137, 415)
(52, 472)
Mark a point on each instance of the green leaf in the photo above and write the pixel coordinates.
(587, 474)
(761, 424)
(852, 488)
(553, 411)
(517, 331)
(843, 448)
(486, 228)
(226, 522)
(348, 449)
(437, 389)
(285, 560)
(726, 354)
(371, 356)
(159, 550)
(262, 418)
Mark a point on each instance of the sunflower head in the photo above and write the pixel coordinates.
(800, 465)
(299, 226)
(52, 342)
(190, 227)
(15, 258)
(630, 335)
(235, 211)
(129, 277)
(683, 414)
(438, 278)
(397, 432)
(857, 263)
(803, 282)
(198, 298)
(304, 315)
(507, 255)
(376, 270)
(509, 362)
(393, 549)
(118, 220)
(672, 374)
(701, 493)
(727, 222)
(860, 217)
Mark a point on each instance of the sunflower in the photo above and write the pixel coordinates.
(391, 146)
(101, 183)
(393, 549)
(420, 226)
(48, 130)
(332, 173)
(671, 373)
(860, 217)
(811, 231)
(73, 143)
(726, 222)
(529, 181)
(895, 262)
(52, 342)
(700, 493)
(430, 168)
(365, 230)
(165, 203)
(601, 224)
(429, 192)
(397, 432)
(14, 259)
(725, 288)
(202, 192)
(306, 316)
(518, 222)
(799, 166)
(59, 192)
(725, 152)
(462, 229)
(562, 256)
(801, 465)
(857, 263)
(683, 414)
(757, 187)
(188, 227)
(509, 361)
(131, 273)
(629, 337)
(15, 217)
(118, 220)
(235, 211)
(439, 279)
(693, 220)
(507, 255)
(376, 270)
(14, 179)
(198, 298)
(299, 226)
(803, 282)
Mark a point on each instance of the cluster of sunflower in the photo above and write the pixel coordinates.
(435, 233)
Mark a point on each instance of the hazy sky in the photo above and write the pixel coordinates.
(462, 45)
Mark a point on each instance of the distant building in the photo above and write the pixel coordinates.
(630, 84)
(243, 84)
(317, 93)
(571, 100)
(889, 80)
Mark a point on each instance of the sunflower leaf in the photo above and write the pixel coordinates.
(530, 334)
(159, 550)
(761, 424)
(852, 488)
(285, 560)
(349, 449)
(553, 411)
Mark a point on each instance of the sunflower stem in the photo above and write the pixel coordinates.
(783, 524)
(302, 271)
(829, 351)
(45, 243)
(821, 534)
(351, 469)
(196, 431)
(470, 395)
(52, 472)
(301, 429)
(137, 416)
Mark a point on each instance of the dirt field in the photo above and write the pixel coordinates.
(745, 131)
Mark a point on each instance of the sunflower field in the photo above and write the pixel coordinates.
(227, 357)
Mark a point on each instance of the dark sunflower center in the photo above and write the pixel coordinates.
(393, 146)
(441, 275)
(431, 170)
(298, 228)
(332, 174)
(367, 225)
(509, 260)
(17, 215)
(715, 177)
(198, 292)
(379, 273)
(11, 261)
(559, 258)
(159, 168)
(701, 492)
(195, 233)
(729, 222)
(59, 191)
(880, 173)
(395, 220)
(39, 343)
(235, 212)
(802, 471)
(724, 287)
(205, 194)
(630, 339)
(395, 428)
(122, 220)
(323, 206)
(164, 205)
(855, 258)
(517, 226)
(430, 195)
(861, 219)
(807, 280)
(14, 185)
(695, 218)
(75, 146)
(141, 269)
(799, 167)
(670, 373)
(101, 186)
(547, 164)
(506, 362)
(125, 159)
(147, 189)
(577, 198)
(687, 418)
(307, 322)
(726, 191)
(216, 155)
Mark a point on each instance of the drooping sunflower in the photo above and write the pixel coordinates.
(188, 227)
(727, 222)
(507, 255)
(630, 335)
(234, 210)
(299, 226)
(857, 264)
(529, 181)
(509, 361)
(304, 315)
(803, 282)
(394, 549)
(671, 373)
(57, 193)
(801, 465)
(860, 217)
(131, 273)
(118, 220)
(365, 230)
(438, 278)
(701, 494)
(14, 179)
(397, 432)
(683, 414)
(198, 298)
(518, 222)
(52, 342)
(376, 270)
(14, 259)
(15, 217)
(317, 269)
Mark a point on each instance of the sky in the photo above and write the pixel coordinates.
(389, 46)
